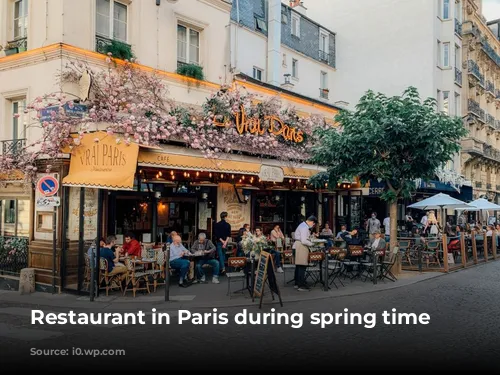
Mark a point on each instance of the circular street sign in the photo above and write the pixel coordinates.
(48, 186)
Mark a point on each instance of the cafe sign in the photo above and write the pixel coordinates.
(102, 161)
(258, 126)
(270, 173)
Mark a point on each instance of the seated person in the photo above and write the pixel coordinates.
(177, 260)
(209, 249)
(343, 232)
(277, 237)
(114, 267)
(351, 238)
(171, 236)
(276, 254)
(131, 247)
(245, 228)
(377, 243)
(327, 232)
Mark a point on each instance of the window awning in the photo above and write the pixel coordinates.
(102, 161)
(12, 176)
(171, 157)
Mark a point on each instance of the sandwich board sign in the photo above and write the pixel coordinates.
(265, 275)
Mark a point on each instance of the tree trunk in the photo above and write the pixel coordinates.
(393, 213)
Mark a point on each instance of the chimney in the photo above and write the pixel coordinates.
(298, 6)
(274, 43)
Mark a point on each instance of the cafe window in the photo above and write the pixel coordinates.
(111, 19)
(14, 217)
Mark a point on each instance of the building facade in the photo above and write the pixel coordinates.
(173, 187)
(481, 58)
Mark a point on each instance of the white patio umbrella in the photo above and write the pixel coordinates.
(442, 202)
(483, 205)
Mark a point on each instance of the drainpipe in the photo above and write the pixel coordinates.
(274, 43)
(235, 67)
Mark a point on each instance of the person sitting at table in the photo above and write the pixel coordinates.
(209, 250)
(178, 260)
(327, 232)
(131, 247)
(277, 236)
(171, 236)
(351, 238)
(276, 254)
(377, 243)
(114, 266)
(343, 232)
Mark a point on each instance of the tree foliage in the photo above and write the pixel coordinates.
(392, 139)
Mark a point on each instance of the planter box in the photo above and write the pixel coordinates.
(11, 51)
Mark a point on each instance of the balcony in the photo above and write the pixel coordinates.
(458, 27)
(16, 46)
(490, 87)
(479, 185)
(488, 186)
(490, 121)
(119, 50)
(323, 56)
(470, 28)
(323, 93)
(472, 146)
(497, 94)
(13, 146)
(473, 70)
(474, 108)
(458, 76)
(491, 153)
(490, 52)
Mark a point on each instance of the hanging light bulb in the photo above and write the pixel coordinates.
(232, 176)
(243, 178)
(210, 175)
(240, 181)
(171, 173)
(160, 173)
(290, 181)
(140, 171)
(173, 177)
(221, 175)
(185, 174)
(326, 184)
(197, 174)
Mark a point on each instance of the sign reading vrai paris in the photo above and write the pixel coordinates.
(102, 161)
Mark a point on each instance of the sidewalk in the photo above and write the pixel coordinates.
(209, 295)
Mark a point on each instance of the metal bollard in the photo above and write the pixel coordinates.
(419, 253)
(167, 272)
(92, 274)
(252, 276)
(325, 278)
(375, 266)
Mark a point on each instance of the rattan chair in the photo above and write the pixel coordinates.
(135, 277)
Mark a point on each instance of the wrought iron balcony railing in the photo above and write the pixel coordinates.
(488, 186)
(458, 76)
(102, 43)
(473, 69)
(490, 87)
(475, 109)
(458, 27)
(488, 49)
(490, 120)
(323, 56)
(479, 184)
(13, 146)
(491, 152)
(323, 93)
(20, 44)
(497, 94)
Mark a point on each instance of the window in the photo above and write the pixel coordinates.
(323, 45)
(458, 57)
(188, 45)
(458, 111)
(18, 123)
(284, 60)
(111, 20)
(324, 81)
(446, 102)
(446, 55)
(295, 68)
(458, 11)
(446, 9)
(257, 73)
(439, 54)
(296, 25)
(20, 19)
(260, 24)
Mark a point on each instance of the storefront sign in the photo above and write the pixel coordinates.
(254, 125)
(75, 110)
(238, 213)
(102, 162)
(270, 173)
(89, 214)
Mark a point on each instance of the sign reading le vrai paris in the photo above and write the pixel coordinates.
(100, 161)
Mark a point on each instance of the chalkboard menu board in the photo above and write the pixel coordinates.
(265, 275)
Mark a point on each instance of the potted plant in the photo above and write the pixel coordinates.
(10, 49)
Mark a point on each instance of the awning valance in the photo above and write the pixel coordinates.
(102, 161)
(12, 176)
(182, 158)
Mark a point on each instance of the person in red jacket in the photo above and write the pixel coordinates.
(132, 247)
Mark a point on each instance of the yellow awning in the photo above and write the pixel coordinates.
(14, 176)
(101, 161)
(148, 158)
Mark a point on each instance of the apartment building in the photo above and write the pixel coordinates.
(481, 110)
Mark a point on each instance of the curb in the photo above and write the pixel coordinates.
(108, 302)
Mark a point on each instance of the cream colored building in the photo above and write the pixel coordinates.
(481, 102)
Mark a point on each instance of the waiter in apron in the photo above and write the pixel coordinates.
(301, 247)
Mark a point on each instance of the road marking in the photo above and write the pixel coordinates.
(26, 334)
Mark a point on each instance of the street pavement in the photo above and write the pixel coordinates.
(462, 333)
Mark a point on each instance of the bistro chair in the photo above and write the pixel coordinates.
(388, 264)
(369, 267)
(355, 253)
(237, 267)
(288, 263)
(405, 248)
(135, 277)
(431, 253)
(335, 265)
(313, 270)
(158, 271)
(110, 281)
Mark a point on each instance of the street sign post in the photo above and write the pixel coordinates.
(48, 186)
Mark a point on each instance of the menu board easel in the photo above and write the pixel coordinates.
(265, 275)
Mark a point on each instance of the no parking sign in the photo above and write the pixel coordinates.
(48, 186)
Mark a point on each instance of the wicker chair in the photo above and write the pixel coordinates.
(106, 278)
(135, 277)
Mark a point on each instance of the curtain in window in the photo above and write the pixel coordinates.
(102, 18)
(181, 43)
(120, 21)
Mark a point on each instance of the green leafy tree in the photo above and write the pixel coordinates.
(395, 140)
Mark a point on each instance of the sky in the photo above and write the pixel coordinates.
(491, 9)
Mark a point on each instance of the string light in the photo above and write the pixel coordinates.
(232, 176)
(243, 178)
(290, 181)
(221, 175)
(240, 181)
(210, 175)
(173, 177)
(171, 173)
(197, 174)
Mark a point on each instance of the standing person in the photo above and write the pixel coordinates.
(387, 228)
(409, 222)
(222, 234)
(259, 236)
(372, 225)
(301, 247)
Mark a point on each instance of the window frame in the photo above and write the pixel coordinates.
(445, 103)
(258, 70)
(322, 75)
(16, 120)
(188, 44)
(448, 16)
(295, 68)
(326, 36)
(458, 104)
(24, 6)
(111, 26)
(296, 29)
(445, 63)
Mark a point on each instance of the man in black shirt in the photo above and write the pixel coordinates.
(222, 234)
